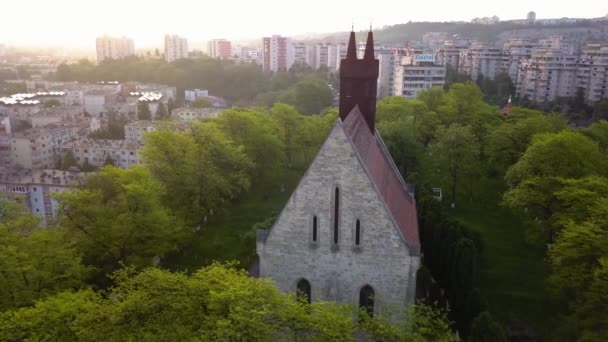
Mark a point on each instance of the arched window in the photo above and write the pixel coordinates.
(314, 229)
(358, 233)
(303, 289)
(366, 299)
(336, 214)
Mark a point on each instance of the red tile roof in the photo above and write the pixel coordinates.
(384, 174)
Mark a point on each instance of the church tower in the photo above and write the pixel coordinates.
(358, 81)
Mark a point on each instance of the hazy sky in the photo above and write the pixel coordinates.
(76, 23)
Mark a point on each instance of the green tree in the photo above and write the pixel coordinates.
(433, 98)
(202, 167)
(117, 218)
(161, 111)
(456, 152)
(312, 96)
(403, 147)
(143, 111)
(200, 103)
(34, 263)
(68, 160)
(598, 132)
(486, 329)
(288, 123)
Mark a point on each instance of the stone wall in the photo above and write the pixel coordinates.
(287, 254)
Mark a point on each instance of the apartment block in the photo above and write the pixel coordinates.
(416, 72)
(547, 74)
(219, 48)
(114, 48)
(176, 48)
(277, 53)
(97, 152)
(592, 73)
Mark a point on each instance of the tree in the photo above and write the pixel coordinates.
(433, 98)
(161, 111)
(598, 132)
(312, 96)
(536, 176)
(143, 111)
(486, 329)
(34, 263)
(202, 167)
(456, 152)
(216, 303)
(403, 147)
(288, 122)
(200, 103)
(68, 160)
(51, 103)
(117, 218)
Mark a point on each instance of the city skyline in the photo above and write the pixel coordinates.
(147, 25)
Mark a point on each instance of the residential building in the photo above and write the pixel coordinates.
(481, 59)
(176, 48)
(192, 94)
(6, 159)
(415, 72)
(95, 101)
(277, 53)
(114, 48)
(219, 48)
(190, 114)
(349, 231)
(34, 189)
(516, 51)
(304, 54)
(40, 148)
(134, 131)
(546, 75)
(326, 56)
(98, 152)
(592, 73)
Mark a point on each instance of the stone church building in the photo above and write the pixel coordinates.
(349, 231)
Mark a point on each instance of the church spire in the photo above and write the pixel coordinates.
(351, 53)
(369, 46)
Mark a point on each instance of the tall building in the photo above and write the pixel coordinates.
(303, 54)
(349, 231)
(482, 60)
(219, 48)
(326, 56)
(592, 73)
(416, 71)
(516, 51)
(277, 53)
(176, 48)
(547, 74)
(114, 48)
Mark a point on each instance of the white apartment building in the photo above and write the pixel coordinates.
(191, 114)
(547, 74)
(34, 188)
(40, 148)
(592, 74)
(386, 61)
(122, 153)
(326, 56)
(193, 94)
(277, 53)
(134, 131)
(516, 51)
(219, 48)
(415, 73)
(114, 48)
(304, 54)
(482, 59)
(176, 48)
(95, 101)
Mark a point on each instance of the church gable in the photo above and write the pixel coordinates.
(336, 175)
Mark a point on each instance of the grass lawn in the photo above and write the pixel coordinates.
(228, 235)
(512, 271)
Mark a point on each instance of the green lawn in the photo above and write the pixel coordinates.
(512, 271)
(228, 235)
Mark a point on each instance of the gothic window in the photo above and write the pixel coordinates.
(336, 214)
(366, 299)
(358, 233)
(303, 289)
(315, 229)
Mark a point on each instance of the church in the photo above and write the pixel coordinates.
(349, 231)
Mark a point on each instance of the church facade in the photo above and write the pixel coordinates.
(349, 231)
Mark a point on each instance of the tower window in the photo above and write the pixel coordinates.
(303, 289)
(336, 214)
(358, 233)
(314, 229)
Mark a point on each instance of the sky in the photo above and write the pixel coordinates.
(76, 23)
